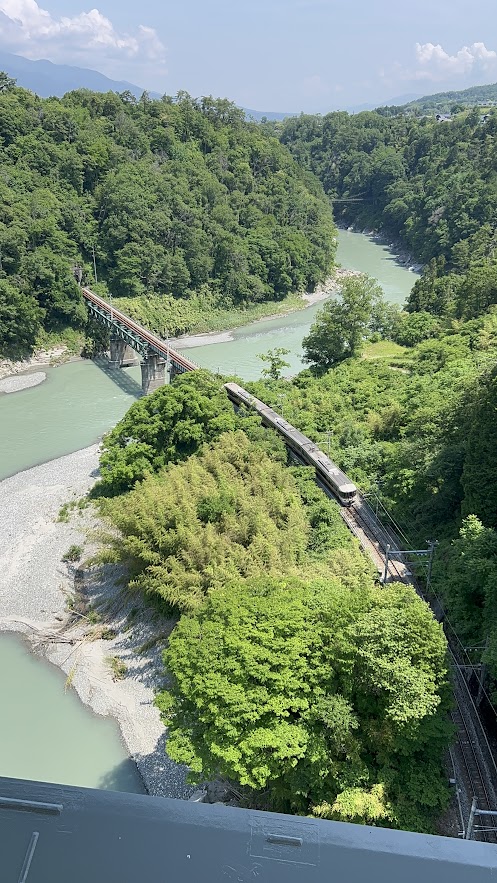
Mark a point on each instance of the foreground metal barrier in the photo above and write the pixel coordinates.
(60, 834)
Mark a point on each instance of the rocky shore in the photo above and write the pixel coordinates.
(40, 359)
(76, 615)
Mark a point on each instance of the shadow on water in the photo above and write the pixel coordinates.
(119, 376)
(123, 777)
(169, 778)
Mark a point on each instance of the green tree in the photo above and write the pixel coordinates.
(275, 361)
(341, 326)
(167, 426)
(229, 511)
(314, 693)
(479, 478)
(20, 321)
(6, 83)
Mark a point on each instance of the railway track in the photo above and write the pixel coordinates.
(474, 764)
(476, 755)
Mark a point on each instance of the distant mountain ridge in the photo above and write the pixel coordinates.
(46, 78)
(259, 115)
(443, 101)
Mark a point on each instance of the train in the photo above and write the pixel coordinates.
(327, 472)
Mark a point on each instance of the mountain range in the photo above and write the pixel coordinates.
(46, 78)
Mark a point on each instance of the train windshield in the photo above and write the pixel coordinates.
(348, 493)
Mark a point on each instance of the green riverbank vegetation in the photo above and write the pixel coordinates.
(415, 427)
(187, 211)
(291, 672)
(423, 434)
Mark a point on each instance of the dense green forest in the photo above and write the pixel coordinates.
(431, 185)
(186, 208)
(417, 426)
(422, 433)
(284, 670)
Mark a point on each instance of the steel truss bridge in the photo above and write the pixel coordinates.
(148, 345)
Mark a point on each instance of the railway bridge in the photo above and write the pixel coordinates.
(128, 340)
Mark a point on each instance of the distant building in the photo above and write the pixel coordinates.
(443, 118)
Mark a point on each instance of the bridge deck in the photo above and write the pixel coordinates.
(135, 334)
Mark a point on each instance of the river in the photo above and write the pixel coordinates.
(56, 737)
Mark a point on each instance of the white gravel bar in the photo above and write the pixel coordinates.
(22, 381)
(34, 588)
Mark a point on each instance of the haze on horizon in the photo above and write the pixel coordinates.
(276, 55)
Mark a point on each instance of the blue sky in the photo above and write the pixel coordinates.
(282, 55)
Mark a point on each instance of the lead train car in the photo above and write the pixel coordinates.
(328, 472)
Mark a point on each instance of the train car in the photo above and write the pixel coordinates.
(327, 471)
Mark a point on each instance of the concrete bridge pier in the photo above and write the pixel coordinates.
(153, 373)
(122, 355)
(173, 371)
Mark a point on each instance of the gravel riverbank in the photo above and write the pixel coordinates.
(49, 601)
(22, 381)
(42, 358)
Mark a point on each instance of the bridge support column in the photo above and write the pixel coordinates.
(121, 354)
(153, 373)
(173, 372)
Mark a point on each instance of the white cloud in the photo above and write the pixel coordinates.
(27, 28)
(468, 65)
(434, 63)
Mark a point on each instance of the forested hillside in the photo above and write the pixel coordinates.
(431, 185)
(186, 208)
(415, 426)
(444, 102)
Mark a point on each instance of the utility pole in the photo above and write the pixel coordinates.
(431, 549)
(329, 435)
(167, 352)
(486, 813)
(387, 557)
(481, 679)
(94, 263)
(378, 486)
(471, 820)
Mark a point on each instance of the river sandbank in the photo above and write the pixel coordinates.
(15, 383)
(77, 615)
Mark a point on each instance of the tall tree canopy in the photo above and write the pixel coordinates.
(334, 701)
(184, 205)
(340, 327)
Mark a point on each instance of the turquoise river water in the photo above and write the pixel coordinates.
(55, 737)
